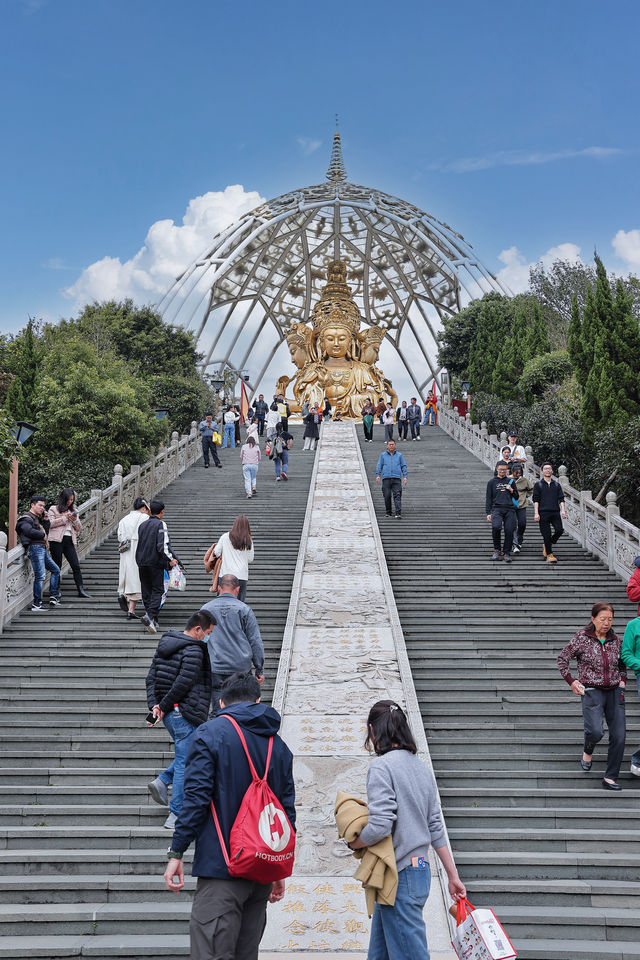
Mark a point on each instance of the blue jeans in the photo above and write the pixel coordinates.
(229, 434)
(281, 463)
(180, 731)
(41, 562)
(398, 932)
(250, 474)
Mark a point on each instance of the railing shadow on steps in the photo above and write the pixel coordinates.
(599, 529)
(100, 515)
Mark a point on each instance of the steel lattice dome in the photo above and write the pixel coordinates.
(407, 270)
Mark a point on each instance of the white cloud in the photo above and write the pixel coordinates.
(167, 250)
(520, 158)
(308, 146)
(56, 263)
(515, 273)
(626, 244)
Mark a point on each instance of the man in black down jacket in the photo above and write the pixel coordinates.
(178, 693)
(154, 555)
(229, 913)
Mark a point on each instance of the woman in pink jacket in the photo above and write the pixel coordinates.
(63, 535)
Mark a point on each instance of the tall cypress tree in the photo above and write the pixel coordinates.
(538, 335)
(575, 347)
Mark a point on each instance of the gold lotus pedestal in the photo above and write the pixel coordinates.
(336, 360)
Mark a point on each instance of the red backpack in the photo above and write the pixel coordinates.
(262, 840)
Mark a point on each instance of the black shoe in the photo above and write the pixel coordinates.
(585, 765)
(206, 466)
(55, 601)
(398, 516)
(611, 786)
(507, 558)
(83, 593)
(39, 607)
(122, 603)
(388, 514)
(219, 465)
(132, 616)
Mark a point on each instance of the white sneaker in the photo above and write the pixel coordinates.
(170, 822)
(148, 624)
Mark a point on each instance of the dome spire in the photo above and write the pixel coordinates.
(336, 172)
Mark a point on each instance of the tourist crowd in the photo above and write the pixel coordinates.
(205, 681)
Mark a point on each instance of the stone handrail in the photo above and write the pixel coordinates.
(100, 515)
(599, 529)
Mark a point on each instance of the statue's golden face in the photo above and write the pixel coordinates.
(336, 342)
(298, 354)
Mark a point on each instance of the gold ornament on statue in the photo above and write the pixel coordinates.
(335, 360)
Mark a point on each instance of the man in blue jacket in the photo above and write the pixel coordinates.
(207, 428)
(392, 469)
(229, 913)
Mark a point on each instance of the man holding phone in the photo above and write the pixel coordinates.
(179, 693)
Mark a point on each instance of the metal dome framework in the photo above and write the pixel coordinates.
(407, 271)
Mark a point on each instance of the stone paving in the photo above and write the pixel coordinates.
(343, 650)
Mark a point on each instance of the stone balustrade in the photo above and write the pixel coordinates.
(598, 528)
(100, 515)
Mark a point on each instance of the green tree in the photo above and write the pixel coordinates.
(575, 347)
(457, 337)
(504, 382)
(90, 408)
(493, 327)
(140, 336)
(21, 355)
(545, 374)
(537, 338)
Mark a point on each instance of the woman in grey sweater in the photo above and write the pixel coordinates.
(403, 802)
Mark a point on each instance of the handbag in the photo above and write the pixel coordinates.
(212, 565)
(124, 545)
(177, 579)
(480, 935)
(216, 438)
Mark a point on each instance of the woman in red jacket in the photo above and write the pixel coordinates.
(602, 677)
(633, 587)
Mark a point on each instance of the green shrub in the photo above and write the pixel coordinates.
(544, 374)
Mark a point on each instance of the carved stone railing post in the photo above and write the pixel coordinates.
(135, 471)
(3, 571)
(585, 498)
(117, 481)
(613, 510)
(98, 495)
(175, 443)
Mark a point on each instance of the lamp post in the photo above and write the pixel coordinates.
(22, 432)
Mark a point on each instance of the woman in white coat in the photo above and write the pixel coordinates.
(129, 589)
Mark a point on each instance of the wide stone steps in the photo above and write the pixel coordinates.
(82, 846)
(534, 836)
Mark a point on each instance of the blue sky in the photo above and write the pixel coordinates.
(514, 122)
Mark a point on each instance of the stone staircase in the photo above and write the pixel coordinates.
(82, 847)
(534, 837)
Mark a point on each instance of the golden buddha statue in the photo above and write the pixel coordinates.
(335, 360)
